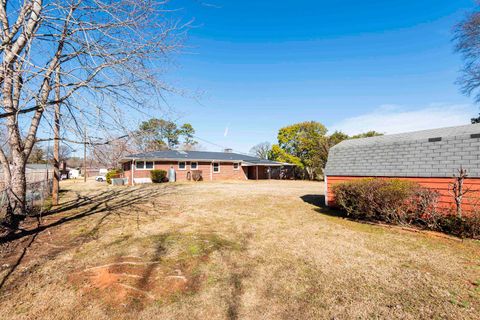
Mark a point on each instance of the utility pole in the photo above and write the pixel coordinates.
(85, 155)
(56, 140)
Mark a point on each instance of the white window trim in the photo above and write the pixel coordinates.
(238, 166)
(213, 167)
(184, 168)
(144, 165)
(191, 165)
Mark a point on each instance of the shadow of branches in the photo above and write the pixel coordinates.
(82, 206)
(120, 202)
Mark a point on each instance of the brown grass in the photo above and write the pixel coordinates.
(252, 250)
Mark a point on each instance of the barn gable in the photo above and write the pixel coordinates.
(428, 153)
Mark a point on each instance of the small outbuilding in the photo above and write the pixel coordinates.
(430, 158)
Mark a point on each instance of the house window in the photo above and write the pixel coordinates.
(182, 165)
(216, 167)
(236, 166)
(144, 165)
(194, 165)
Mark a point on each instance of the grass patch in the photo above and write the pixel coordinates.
(250, 250)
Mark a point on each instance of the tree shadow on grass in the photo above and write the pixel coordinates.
(318, 200)
(103, 204)
(87, 205)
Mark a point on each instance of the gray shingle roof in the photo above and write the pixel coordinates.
(199, 156)
(427, 153)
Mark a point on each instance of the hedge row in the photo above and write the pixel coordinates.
(402, 202)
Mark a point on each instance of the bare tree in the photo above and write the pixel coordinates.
(261, 150)
(458, 190)
(467, 37)
(110, 154)
(108, 54)
(64, 153)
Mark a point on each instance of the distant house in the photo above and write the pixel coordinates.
(211, 165)
(74, 174)
(429, 157)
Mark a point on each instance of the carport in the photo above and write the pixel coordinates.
(266, 170)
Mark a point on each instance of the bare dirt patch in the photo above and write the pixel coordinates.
(173, 269)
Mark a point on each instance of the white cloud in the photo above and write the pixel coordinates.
(397, 119)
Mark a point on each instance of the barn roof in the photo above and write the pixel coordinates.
(201, 156)
(427, 153)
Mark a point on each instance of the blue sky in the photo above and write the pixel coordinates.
(351, 65)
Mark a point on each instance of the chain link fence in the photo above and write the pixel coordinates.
(39, 189)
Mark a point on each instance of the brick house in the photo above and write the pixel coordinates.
(212, 165)
(429, 157)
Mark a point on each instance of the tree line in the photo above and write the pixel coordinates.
(305, 144)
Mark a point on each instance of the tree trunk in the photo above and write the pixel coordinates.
(16, 194)
(56, 141)
(311, 173)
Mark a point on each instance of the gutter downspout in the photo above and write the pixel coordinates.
(133, 173)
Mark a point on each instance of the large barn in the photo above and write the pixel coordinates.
(429, 157)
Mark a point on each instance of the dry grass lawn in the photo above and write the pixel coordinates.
(252, 250)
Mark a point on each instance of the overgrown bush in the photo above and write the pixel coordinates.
(402, 202)
(391, 200)
(112, 174)
(466, 226)
(158, 176)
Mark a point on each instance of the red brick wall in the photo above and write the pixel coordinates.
(442, 185)
(227, 172)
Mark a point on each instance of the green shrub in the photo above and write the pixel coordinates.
(158, 176)
(402, 202)
(390, 200)
(114, 173)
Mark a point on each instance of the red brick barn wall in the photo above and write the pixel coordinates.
(442, 185)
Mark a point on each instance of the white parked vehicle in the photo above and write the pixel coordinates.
(101, 178)
(101, 175)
